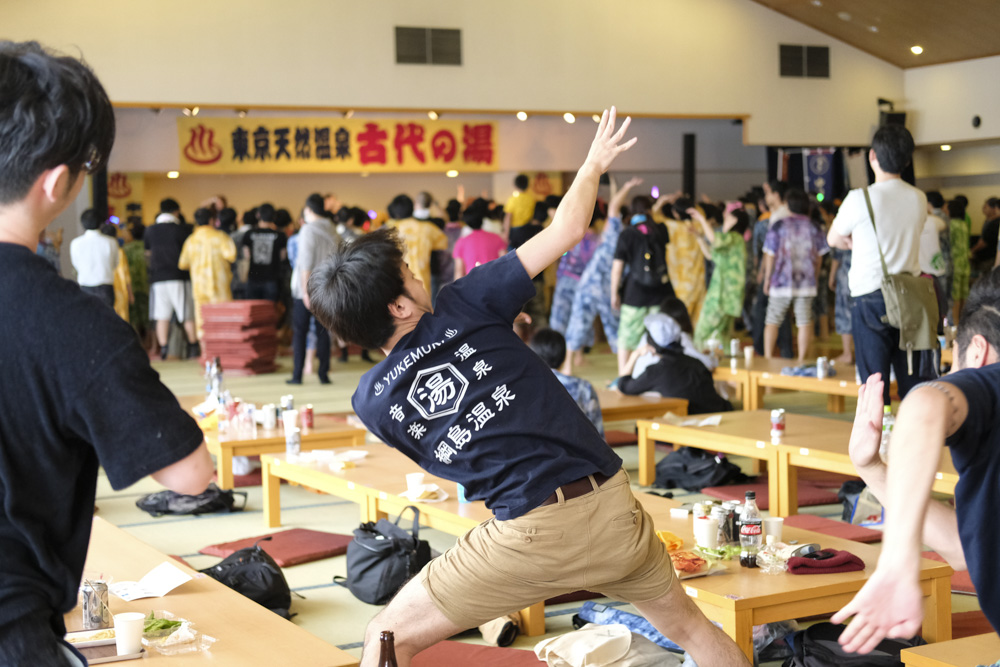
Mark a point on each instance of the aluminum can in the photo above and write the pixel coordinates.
(777, 423)
(307, 416)
(94, 604)
(734, 347)
(288, 402)
(822, 366)
(722, 515)
(293, 442)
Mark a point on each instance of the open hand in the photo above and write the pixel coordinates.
(607, 143)
(866, 436)
(889, 605)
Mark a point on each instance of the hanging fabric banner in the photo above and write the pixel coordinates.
(339, 145)
(818, 171)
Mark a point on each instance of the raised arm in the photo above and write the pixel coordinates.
(572, 218)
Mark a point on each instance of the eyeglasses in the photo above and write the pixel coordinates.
(93, 161)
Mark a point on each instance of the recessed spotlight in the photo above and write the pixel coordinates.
(242, 113)
(173, 174)
(916, 50)
(349, 113)
(569, 118)
(433, 115)
(873, 28)
(195, 110)
(451, 173)
(596, 117)
(946, 147)
(522, 115)
(844, 16)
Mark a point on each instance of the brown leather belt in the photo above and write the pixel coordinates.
(576, 488)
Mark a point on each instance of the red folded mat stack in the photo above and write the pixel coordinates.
(243, 334)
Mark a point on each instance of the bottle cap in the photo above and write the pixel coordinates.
(751, 495)
(887, 410)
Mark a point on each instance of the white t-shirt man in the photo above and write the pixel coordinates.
(931, 258)
(95, 258)
(900, 214)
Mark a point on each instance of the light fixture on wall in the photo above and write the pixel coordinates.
(451, 173)
(569, 118)
(173, 174)
(349, 113)
(916, 49)
(596, 117)
(433, 115)
(195, 110)
(946, 147)
(242, 113)
(186, 111)
(521, 115)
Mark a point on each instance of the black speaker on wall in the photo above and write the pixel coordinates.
(687, 179)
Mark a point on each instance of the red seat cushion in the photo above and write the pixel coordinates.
(969, 624)
(457, 654)
(833, 528)
(621, 438)
(961, 582)
(808, 494)
(577, 596)
(289, 547)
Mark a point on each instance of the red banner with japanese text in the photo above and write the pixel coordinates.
(321, 145)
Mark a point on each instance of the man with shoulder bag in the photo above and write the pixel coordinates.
(894, 314)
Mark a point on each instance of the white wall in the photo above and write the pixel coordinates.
(942, 99)
(973, 171)
(662, 57)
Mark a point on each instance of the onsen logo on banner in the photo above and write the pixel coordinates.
(202, 149)
(118, 185)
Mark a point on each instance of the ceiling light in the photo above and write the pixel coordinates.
(569, 118)
(917, 50)
(522, 115)
(433, 115)
(349, 113)
(844, 16)
(173, 174)
(946, 147)
(195, 110)
(451, 173)
(596, 117)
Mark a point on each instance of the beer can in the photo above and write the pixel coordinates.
(307, 416)
(293, 442)
(734, 347)
(822, 365)
(777, 423)
(94, 604)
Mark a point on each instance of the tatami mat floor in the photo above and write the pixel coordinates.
(328, 610)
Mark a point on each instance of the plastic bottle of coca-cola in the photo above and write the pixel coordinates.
(751, 531)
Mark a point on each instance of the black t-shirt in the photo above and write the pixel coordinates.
(77, 391)
(677, 375)
(633, 244)
(265, 253)
(521, 235)
(975, 451)
(991, 229)
(465, 399)
(164, 241)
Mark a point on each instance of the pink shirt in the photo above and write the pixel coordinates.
(478, 248)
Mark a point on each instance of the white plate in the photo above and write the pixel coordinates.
(80, 639)
(441, 494)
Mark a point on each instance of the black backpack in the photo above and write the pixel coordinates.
(817, 646)
(650, 269)
(382, 557)
(253, 573)
(211, 501)
(693, 469)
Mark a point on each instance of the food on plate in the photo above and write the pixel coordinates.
(97, 635)
(154, 624)
(427, 494)
(688, 564)
(672, 541)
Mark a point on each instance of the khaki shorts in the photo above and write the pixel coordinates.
(602, 541)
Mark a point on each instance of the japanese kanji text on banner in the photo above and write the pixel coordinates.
(320, 145)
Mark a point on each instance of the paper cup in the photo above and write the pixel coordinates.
(773, 526)
(748, 354)
(415, 482)
(706, 532)
(128, 632)
(289, 419)
(270, 417)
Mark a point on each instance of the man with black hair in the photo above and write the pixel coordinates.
(242, 266)
(95, 258)
(519, 207)
(421, 238)
(170, 286)
(772, 208)
(900, 213)
(208, 254)
(550, 346)
(960, 411)
(462, 396)
(316, 241)
(984, 253)
(70, 403)
(264, 249)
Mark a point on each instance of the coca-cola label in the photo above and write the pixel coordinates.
(750, 529)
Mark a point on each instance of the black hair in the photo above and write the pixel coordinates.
(203, 216)
(521, 181)
(981, 314)
(109, 230)
(963, 199)
(316, 204)
(265, 213)
(641, 205)
(712, 212)
(935, 199)
(797, 201)
(541, 212)
(53, 111)
(169, 205)
(89, 219)
(250, 217)
(742, 221)
(282, 218)
(227, 220)
(401, 208)
(494, 213)
(138, 230)
(956, 209)
(778, 187)
(681, 206)
(474, 214)
(350, 291)
(550, 345)
(454, 210)
(553, 201)
(993, 202)
(675, 308)
(893, 146)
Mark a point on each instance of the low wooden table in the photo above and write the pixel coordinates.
(247, 633)
(616, 406)
(965, 652)
(741, 598)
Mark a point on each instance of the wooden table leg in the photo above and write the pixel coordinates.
(533, 620)
(783, 487)
(224, 468)
(754, 395)
(834, 403)
(272, 496)
(739, 626)
(937, 611)
(647, 462)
